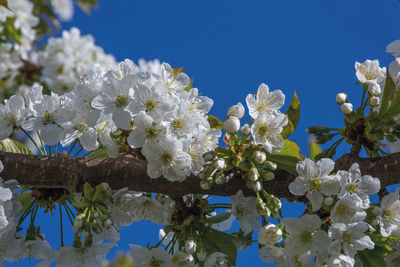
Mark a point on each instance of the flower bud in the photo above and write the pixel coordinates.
(220, 164)
(205, 184)
(257, 187)
(246, 130)
(201, 255)
(190, 246)
(374, 89)
(267, 175)
(346, 108)
(253, 174)
(107, 223)
(232, 125)
(236, 111)
(270, 165)
(374, 101)
(208, 156)
(341, 98)
(220, 178)
(277, 202)
(259, 157)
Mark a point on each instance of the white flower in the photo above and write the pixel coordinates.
(370, 72)
(341, 260)
(92, 256)
(236, 111)
(63, 8)
(389, 214)
(346, 210)
(305, 238)
(48, 115)
(314, 181)
(149, 257)
(168, 159)
(394, 48)
(190, 246)
(147, 131)
(341, 98)
(117, 95)
(273, 255)
(269, 235)
(265, 101)
(232, 125)
(266, 130)
(393, 259)
(216, 259)
(346, 108)
(244, 209)
(349, 237)
(12, 114)
(357, 186)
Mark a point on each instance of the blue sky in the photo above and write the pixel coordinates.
(230, 47)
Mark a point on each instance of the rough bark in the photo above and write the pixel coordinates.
(127, 171)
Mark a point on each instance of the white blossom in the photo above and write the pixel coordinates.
(264, 101)
(389, 214)
(244, 209)
(315, 180)
(269, 235)
(145, 257)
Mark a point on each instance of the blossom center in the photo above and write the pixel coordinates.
(121, 101)
(151, 132)
(81, 127)
(154, 262)
(177, 124)
(351, 187)
(314, 184)
(47, 118)
(305, 237)
(166, 158)
(150, 105)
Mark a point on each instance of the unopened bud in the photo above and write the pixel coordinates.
(346, 108)
(246, 130)
(374, 101)
(374, 89)
(341, 98)
(253, 174)
(107, 223)
(267, 175)
(190, 246)
(270, 165)
(220, 178)
(236, 111)
(220, 164)
(205, 184)
(328, 201)
(257, 187)
(232, 125)
(259, 157)
(208, 156)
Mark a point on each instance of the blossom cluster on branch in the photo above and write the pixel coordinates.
(69, 98)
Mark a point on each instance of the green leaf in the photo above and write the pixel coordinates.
(10, 145)
(290, 148)
(10, 32)
(222, 242)
(214, 122)
(221, 217)
(284, 162)
(101, 153)
(25, 199)
(86, 5)
(87, 192)
(315, 149)
(293, 114)
(391, 98)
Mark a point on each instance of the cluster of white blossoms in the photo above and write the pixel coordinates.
(168, 119)
(64, 59)
(312, 241)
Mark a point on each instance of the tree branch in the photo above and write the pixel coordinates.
(127, 171)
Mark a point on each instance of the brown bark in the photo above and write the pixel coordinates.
(127, 171)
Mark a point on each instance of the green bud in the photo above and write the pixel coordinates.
(267, 175)
(270, 165)
(220, 178)
(253, 174)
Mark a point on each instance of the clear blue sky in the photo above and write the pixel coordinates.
(229, 47)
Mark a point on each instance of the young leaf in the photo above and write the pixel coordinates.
(391, 97)
(13, 146)
(293, 114)
(223, 242)
(214, 122)
(290, 148)
(315, 149)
